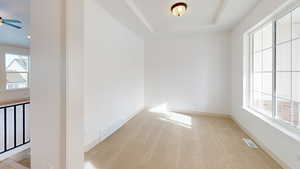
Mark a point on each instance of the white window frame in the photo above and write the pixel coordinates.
(5, 72)
(250, 47)
(291, 130)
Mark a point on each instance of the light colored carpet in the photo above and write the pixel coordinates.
(170, 140)
(25, 162)
(11, 164)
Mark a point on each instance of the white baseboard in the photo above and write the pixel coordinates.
(92, 144)
(105, 133)
(208, 114)
(21, 156)
(17, 153)
(190, 111)
(261, 145)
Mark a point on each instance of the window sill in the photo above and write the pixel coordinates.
(13, 90)
(291, 131)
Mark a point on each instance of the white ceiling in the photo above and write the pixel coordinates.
(152, 17)
(146, 17)
(15, 9)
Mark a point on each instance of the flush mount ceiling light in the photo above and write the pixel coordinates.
(179, 8)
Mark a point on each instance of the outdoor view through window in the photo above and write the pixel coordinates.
(16, 68)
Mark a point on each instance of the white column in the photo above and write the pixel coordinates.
(56, 95)
(75, 116)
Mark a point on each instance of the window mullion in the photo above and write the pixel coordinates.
(274, 91)
(291, 48)
(251, 70)
(15, 72)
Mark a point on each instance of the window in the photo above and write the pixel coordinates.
(17, 69)
(261, 76)
(274, 69)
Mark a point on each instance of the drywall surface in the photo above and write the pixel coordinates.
(189, 73)
(8, 95)
(48, 85)
(280, 144)
(113, 73)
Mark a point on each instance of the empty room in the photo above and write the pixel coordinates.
(150, 84)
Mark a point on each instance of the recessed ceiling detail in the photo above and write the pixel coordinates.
(139, 14)
(204, 15)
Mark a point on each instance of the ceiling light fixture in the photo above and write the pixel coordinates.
(179, 8)
(28, 37)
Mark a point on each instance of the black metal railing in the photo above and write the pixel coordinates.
(12, 137)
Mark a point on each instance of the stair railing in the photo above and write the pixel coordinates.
(13, 126)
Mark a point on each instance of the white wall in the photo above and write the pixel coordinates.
(74, 89)
(48, 85)
(8, 95)
(189, 72)
(113, 73)
(286, 148)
